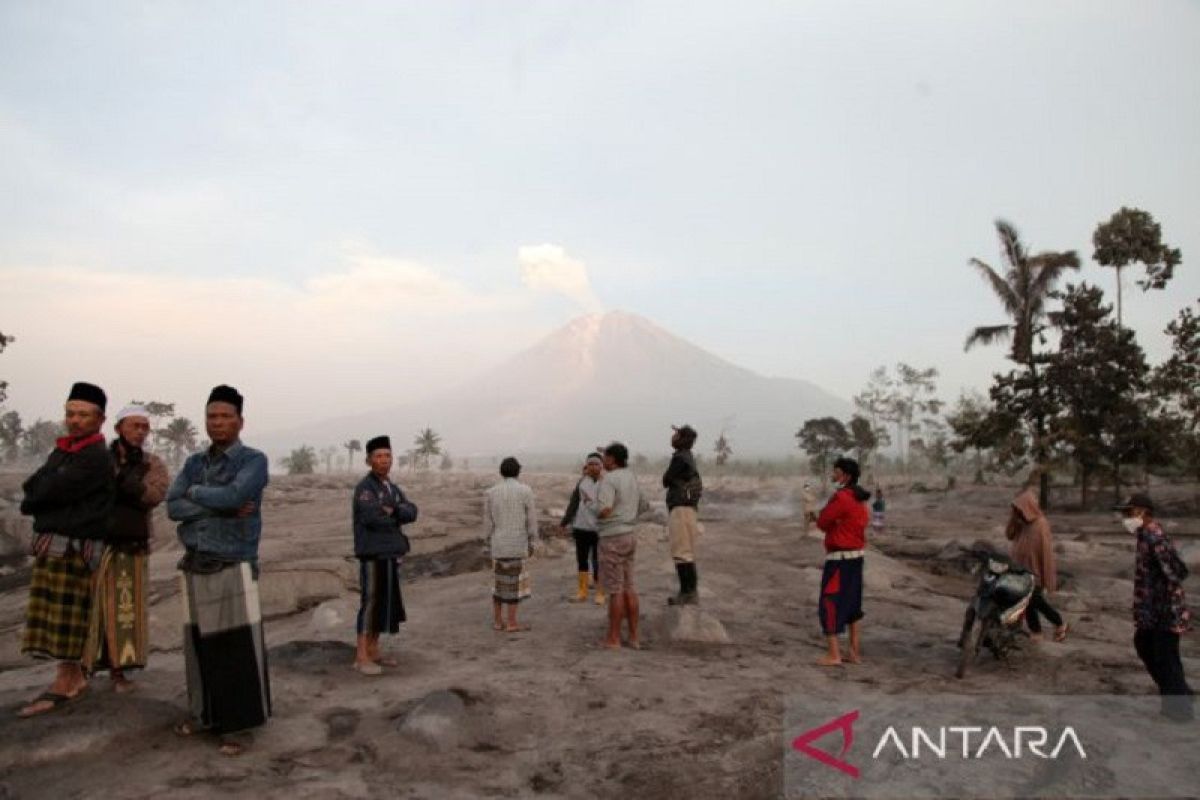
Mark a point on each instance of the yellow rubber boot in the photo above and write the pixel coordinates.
(600, 599)
(581, 594)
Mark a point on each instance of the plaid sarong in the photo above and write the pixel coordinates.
(381, 609)
(224, 651)
(60, 596)
(117, 632)
(513, 583)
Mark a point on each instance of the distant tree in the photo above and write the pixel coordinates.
(39, 438)
(862, 438)
(875, 403)
(911, 399)
(447, 462)
(822, 438)
(157, 410)
(352, 447)
(427, 444)
(1131, 236)
(180, 437)
(5, 341)
(1176, 382)
(974, 426)
(328, 453)
(1095, 379)
(1023, 290)
(301, 461)
(722, 449)
(11, 431)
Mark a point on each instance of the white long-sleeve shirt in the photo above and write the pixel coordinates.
(510, 519)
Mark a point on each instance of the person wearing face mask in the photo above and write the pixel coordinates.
(1160, 612)
(844, 521)
(1031, 546)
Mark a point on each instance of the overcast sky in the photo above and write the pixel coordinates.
(338, 206)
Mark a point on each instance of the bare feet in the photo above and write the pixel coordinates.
(608, 644)
(514, 628)
(386, 661)
(368, 668)
(231, 749)
(635, 644)
(829, 661)
(854, 658)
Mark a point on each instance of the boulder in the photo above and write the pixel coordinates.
(695, 625)
(439, 720)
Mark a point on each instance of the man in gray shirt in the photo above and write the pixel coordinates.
(510, 523)
(619, 499)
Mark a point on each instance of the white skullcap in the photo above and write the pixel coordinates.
(132, 410)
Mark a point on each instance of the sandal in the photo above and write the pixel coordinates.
(185, 728)
(231, 749)
(54, 700)
(517, 628)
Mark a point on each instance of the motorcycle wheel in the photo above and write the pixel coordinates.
(970, 648)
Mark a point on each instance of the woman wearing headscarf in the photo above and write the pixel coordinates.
(1031, 546)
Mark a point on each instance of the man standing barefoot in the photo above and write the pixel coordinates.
(510, 524)
(619, 500)
(844, 521)
(71, 501)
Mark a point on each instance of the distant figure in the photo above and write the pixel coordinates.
(620, 500)
(877, 508)
(1160, 612)
(1032, 547)
(582, 521)
(217, 501)
(379, 510)
(808, 507)
(118, 638)
(70, 498)
(684, 487)
(510, 524)
(844, 521)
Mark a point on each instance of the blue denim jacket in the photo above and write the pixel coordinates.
(206, 495)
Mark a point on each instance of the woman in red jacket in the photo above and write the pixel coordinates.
(844, 521)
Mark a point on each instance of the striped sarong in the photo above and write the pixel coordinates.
(224, 651)
(381, 609)
(513, 583)
(60, 596)
(117, 632)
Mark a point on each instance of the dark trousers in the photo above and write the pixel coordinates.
(586, 543)
(1159, 651)
(1039, 606)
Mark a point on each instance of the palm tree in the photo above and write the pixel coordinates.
(352, 447)
(427, 444)
(180, 435)
(1026, 284)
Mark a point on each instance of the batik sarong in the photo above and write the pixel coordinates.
(224, 651)
(513, 583)
(60, 596)
(381, 606)
(117, 632)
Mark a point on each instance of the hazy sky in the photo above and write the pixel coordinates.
(339, 206)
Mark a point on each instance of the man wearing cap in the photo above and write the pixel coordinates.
(510, 525)
(683, 485)
(379, 510)
(844, 522)
(217, 501)
(71, 500)
(1160, 612)
(117, 633)
(580, 519)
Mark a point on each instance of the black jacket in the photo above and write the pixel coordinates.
(72, 494)
(377, 534)
(682, 481)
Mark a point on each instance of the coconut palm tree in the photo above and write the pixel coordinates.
(427, 444)
(1023, 289)
(352, 447)
(180, 436)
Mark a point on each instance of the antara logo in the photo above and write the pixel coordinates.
(941, 743)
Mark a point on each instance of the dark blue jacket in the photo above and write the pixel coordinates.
(377, 533)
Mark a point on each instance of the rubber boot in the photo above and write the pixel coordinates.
(682, 572)
(691, 593)
(601, 598)
(582, 591)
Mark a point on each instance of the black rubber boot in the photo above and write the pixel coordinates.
(681, 571)
(691, 590)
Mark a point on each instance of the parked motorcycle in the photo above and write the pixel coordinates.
(998, 607)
